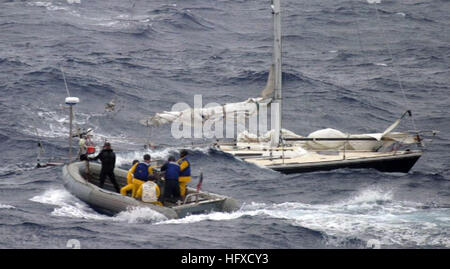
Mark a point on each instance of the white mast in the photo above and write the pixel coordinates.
(277, 68)
(71, 101)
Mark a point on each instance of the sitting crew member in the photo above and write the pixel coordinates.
(185, 171)
(108, 159)
(171, 187)
(130, 185)
(141, 173)
(149, 192)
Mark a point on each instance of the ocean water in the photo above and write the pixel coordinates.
(342, 61)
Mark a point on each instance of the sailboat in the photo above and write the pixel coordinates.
(287, 152)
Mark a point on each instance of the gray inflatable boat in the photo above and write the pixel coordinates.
(106, 200)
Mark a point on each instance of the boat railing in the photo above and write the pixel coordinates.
(190, 196)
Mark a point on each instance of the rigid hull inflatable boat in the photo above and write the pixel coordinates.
(106, 200)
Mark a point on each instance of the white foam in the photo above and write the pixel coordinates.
(140, 215)
(78, 211)
(3, 206)
(67, 205)
(372, 215)
(214, 216)
(163, 154)
(71, 207)
(48, 5)
(127, 158)
(54, 124)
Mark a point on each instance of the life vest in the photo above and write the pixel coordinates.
(90, 150)
(149, 192)
(186, 172)
(141, 172)
(172, 171)
(90, 146)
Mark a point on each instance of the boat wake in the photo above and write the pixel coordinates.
(372, 216)
(67, 205)
(71, 207)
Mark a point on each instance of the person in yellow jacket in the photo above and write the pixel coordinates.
(185, 172)
(149, 192)
(130, 185)
(141, 172)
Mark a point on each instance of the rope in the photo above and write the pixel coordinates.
(65, 82)
(361, 48)
(397, 73)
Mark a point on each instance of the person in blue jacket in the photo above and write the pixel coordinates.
(171, 187)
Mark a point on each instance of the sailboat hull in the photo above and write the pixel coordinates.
(395, 163)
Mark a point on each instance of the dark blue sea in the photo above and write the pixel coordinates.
(342, 64)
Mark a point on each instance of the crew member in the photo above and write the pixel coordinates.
(141, 173)
(185, 171)
(108, 159)
(130, 185)
(82, 151)
(149, 192)
(172, 174)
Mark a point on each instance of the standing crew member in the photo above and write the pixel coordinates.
(130, 185)
(82, 151)
(108, 159)
(141, 173)
(185, 171)
(171, 187)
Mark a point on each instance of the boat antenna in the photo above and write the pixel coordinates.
(70, 102)
(65, 82)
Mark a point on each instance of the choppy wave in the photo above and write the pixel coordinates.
(151, 54)
(70, 207)
(67, 205)
(12, 169)
(139, 215)
(3, 206)
(371, 216)
(158, 154)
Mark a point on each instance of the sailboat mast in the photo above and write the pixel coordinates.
(277, 72)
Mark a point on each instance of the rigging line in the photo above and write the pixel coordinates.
(65, 82)
(361, 48)
(394, 67)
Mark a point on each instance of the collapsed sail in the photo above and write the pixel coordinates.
(370, 142)
(329, 139)
(188, 116)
